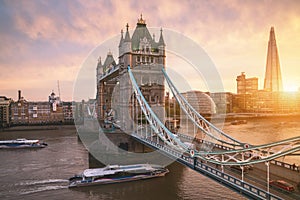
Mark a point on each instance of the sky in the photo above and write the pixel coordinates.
(44, 41)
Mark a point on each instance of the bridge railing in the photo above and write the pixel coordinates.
(231, 181)
(292, 167)
(235, 182)
(286, 165)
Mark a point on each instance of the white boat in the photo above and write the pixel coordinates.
(22, 143)
(116, 174)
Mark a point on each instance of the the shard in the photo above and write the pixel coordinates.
(273, 81)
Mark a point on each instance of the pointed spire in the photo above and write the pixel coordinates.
(122, 39)
(99, 64)
(109, 53)
(161, 39)
(272, 34)
(127, 36)
(141, 21)
(273, 80)
(99, 61)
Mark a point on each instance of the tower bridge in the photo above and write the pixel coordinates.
(225, 151)
(134, 91)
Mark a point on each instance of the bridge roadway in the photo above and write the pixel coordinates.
(254, 185)
(258, 174)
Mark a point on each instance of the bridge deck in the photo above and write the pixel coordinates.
(253, 186)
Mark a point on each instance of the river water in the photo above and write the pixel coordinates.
(43, 173)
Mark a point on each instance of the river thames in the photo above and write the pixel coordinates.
(43, 173)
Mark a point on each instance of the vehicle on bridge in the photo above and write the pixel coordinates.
(238, 168)
(282, 185)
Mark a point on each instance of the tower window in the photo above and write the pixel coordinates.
(147, 59)
(153, 99)
(151, 59)
(143, 59)
(138, 59)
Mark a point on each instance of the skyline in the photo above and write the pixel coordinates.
(58, 35)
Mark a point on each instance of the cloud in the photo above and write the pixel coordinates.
(48, 38)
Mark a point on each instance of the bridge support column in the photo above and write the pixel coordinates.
(222, 167)
(268, 177)
(242, 167)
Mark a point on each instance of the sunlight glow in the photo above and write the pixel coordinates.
(291, 88)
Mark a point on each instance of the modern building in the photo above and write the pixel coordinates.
(246, 90)
(223, 101)
(271, 99)
(146, 57)
(246, 85)
(273, 81)
(202, 103)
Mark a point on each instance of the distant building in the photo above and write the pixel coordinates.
(25, 112)
(273, 80)
(271, 99)
(223, 102)
(276, 102)
(246, 89)
(19, 111)
(39, 112)
(246, 85)
(1, 117)
(54, 101)
(202, 103)
(5, 113)
(68, 112)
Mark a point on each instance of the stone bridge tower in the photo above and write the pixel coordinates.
(146, 57)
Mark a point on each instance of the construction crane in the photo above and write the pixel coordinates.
(58, 90)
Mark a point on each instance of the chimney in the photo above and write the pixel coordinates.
(19, 98)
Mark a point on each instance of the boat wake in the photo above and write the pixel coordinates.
(47, 181)
(35, 186)
(43, 189)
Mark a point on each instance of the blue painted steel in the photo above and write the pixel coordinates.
(180, 98)
(232, 182)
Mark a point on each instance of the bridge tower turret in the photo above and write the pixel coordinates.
(125, 49)
(161, 49)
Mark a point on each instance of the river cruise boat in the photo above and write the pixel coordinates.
(117, 174)
(22, 143)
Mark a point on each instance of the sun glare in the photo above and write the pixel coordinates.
(291, 88)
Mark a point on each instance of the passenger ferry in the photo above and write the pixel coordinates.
(21, 143)
(117, 174)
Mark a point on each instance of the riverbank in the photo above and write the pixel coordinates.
(245, 116)
(37, 128)
(228, 118)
